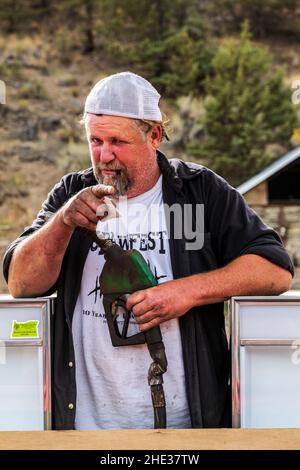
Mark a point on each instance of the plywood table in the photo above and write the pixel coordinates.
(169, 439)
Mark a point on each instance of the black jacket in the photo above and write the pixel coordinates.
(231, 229)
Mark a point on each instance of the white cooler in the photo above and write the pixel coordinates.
(266, 361)
(25, 369)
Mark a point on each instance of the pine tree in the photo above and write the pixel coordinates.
(247, 108)
(166, 40)
(265, 17)
(13, 15)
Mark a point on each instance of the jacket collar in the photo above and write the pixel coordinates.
(169, 172)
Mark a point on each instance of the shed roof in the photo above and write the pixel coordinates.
(269, 171)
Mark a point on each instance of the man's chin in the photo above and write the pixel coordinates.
(120, 184)
(110, 180)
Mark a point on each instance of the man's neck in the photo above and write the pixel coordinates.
(145, 185)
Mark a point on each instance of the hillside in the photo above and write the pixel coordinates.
(40, 135)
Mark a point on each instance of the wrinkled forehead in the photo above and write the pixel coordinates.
(99, 122)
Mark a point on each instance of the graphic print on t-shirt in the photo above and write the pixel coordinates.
(143, 243)
(133, 243)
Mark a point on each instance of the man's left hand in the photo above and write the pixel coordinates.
(160, 303)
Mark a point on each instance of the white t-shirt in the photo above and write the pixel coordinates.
(112, 383)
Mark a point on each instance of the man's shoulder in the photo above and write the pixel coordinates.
(201, 180)
(76, 180)
(185, 169)
(80, 176)
(190, 170)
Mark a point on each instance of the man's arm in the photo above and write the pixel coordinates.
(246, 275)
(36, 262)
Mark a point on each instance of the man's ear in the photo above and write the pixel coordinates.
(156, 136)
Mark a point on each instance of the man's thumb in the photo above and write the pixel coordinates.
(101, 189)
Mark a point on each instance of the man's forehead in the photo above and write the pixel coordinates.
(105, 122)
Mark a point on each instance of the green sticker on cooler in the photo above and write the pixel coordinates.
(25, 329)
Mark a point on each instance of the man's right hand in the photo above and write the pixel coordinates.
(81, 209)
(36, 263)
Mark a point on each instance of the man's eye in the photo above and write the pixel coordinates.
(95, 140)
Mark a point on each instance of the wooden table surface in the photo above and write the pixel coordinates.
(167, 439)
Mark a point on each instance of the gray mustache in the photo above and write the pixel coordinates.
(112, 168)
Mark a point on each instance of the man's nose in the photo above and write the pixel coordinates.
(106, 154)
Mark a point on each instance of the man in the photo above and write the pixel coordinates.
(240, 256)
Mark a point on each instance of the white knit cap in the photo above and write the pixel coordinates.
(124, 94)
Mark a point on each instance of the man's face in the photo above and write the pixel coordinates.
(121, 155)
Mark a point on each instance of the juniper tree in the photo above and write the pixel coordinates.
(247, 108)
